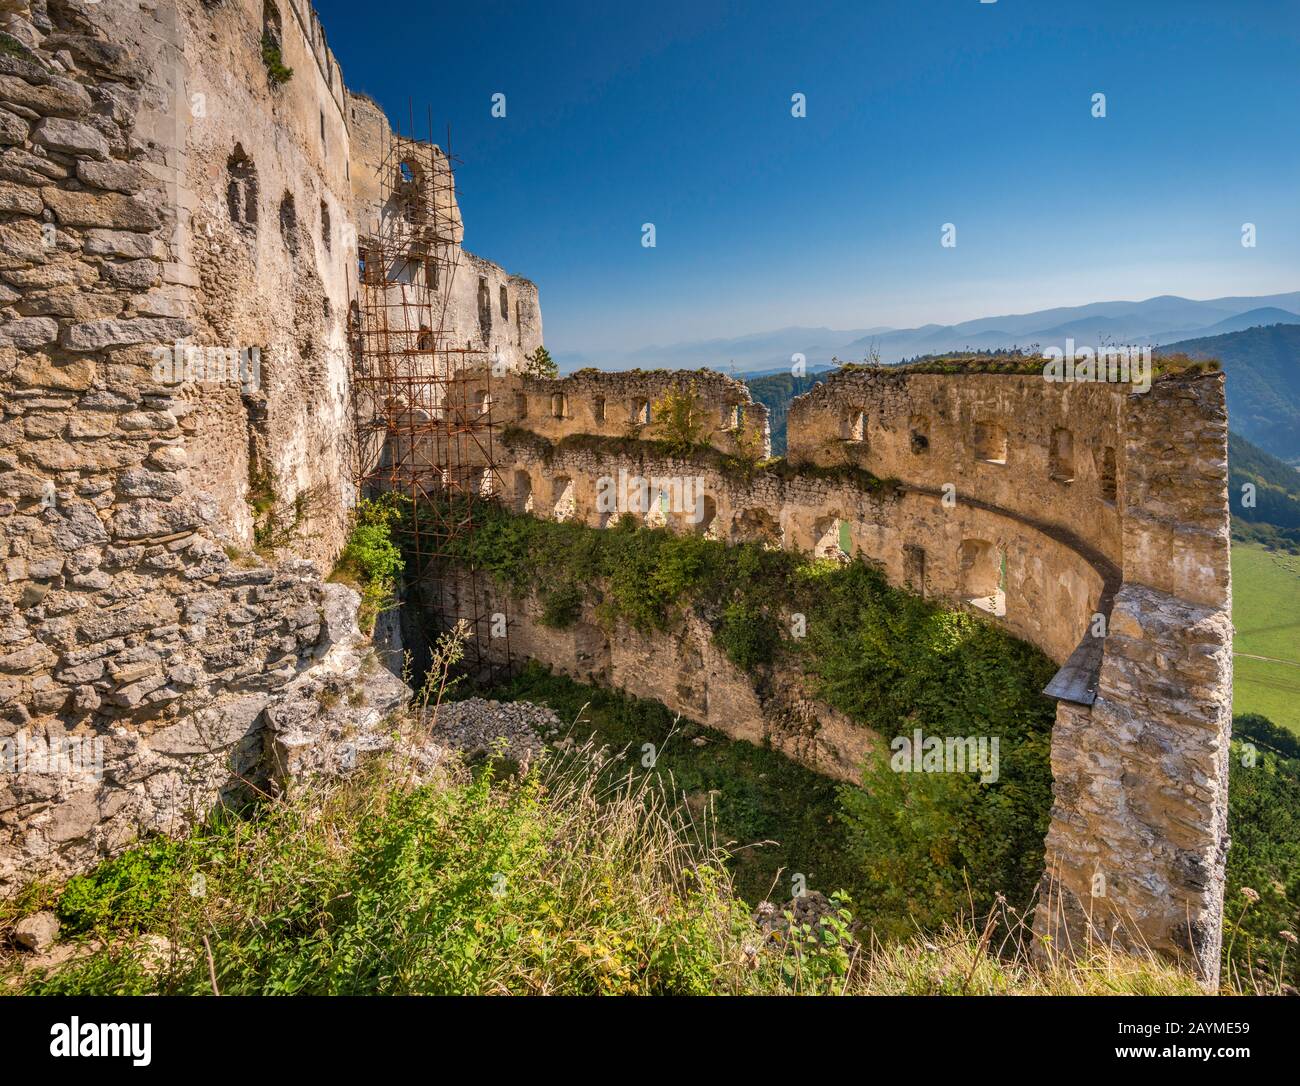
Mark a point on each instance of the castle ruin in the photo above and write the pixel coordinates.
(166, 199)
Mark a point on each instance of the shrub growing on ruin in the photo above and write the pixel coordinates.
(276, 70)
(889, 660)
(679, 421)
(372, 557)
(540, 364)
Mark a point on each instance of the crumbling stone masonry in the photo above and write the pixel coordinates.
(1087, 519)
(178, 261)
(178, 269)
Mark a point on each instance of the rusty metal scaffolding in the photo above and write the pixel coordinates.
(423, 400)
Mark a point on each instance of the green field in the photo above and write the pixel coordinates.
(1266, 613)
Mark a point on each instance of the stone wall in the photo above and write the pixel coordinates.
(1089, 520)
(487, 309)
(178, 255)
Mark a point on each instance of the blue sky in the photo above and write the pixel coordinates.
(918, 114)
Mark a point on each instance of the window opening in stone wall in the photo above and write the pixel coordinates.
(914, 567)
(241, 189)
(559, 406)
(289, 222)
(657, 511)
(521, 405)
(832, 538)
(641, 412)
(325, 224)
(920, 434)
(990, 443)
(1061, 455)
(505, 303)
(983, 576)
(707, 525)
(1108, 476)
(523, 491)
(564, 501)
(857, 426)
(484, 308)
(272, 26)
(598, 409)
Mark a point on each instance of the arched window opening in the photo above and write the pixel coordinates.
(564, 503)
(523, 491)
(289, 222)
(484, 308)
(914, 567)
(272, 26)
(657, 513)
(411, 192)
(832, 538)
(707, 514)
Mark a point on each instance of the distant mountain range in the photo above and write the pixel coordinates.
(1161, 320)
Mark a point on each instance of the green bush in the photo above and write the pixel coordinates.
(372, 557)
(274, 61)
(126, 893)
(926, 846)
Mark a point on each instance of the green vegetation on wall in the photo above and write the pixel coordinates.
(372, 558)
(889, 660)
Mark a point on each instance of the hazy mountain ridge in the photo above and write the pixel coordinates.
(1159, 320)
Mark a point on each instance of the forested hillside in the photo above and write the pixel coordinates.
(1263, 368)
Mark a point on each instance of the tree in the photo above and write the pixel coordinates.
(540, 364)
(679, 420)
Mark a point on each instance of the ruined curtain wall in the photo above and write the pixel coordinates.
(1089, 520)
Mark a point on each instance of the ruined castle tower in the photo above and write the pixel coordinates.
(182, 188)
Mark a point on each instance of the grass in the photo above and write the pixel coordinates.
(891, 661)
(564, 881)
(776, 817)
(1266, 614)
